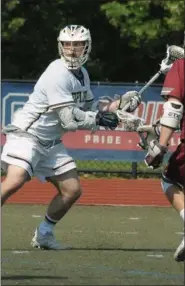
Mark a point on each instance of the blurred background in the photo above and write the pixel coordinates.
(129, 38)
(124, 245)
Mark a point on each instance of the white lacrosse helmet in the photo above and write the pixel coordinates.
(74, 33)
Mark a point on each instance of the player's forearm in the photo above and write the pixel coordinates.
(72, 118)
(165, 135)
(127, 102)
(111, 107)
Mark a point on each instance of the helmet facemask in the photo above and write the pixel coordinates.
(73, 54)
(74, 45)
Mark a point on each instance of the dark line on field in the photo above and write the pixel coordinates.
(97, 249)
(23, 277)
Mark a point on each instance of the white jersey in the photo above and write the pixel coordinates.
(56, 87)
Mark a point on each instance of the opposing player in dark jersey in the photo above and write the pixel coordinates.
(173, 118)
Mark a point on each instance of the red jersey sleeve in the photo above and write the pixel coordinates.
(174, 81)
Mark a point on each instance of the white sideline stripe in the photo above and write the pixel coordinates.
(119, 232)
(112, 232)
(36, 215)
(134, 218)
(20, 251)
(132, 232)
(127, 205)
(155, 255)
(180, 233)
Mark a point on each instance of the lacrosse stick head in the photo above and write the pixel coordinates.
(173, 53)
(148, 133)
(130, 121)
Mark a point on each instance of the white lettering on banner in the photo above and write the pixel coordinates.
(128, 139)
(102, 139)
(118, 140)
(109, 139)
(87, 138)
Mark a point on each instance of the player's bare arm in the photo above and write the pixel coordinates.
(127, 102)
(171, 120)
(158, 135)
(72, 119)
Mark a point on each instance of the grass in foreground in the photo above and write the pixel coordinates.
(111, 246)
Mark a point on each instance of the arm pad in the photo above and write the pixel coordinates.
(72, 118)
(172, 114)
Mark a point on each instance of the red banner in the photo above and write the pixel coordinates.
(105, 140)
(108, 140)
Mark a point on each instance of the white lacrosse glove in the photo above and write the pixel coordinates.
(172, 54)
(155, 154)
(165, 67)
(148, 133)
(129, 101)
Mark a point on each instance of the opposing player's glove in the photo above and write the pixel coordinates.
(148, 133)
(155, 155)
(165, 67)
(107, 119)
(129, 101)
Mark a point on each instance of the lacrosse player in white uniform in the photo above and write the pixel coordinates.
(61, 102)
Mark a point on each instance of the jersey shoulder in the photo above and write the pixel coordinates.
(57, 72)
(174, 81)
(57, 67)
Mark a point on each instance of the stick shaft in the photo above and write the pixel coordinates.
(149, 82)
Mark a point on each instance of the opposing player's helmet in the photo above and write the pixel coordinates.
(70, 34)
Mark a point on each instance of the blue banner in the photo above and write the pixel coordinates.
(103, 145)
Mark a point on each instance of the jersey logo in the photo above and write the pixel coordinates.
(80, 96)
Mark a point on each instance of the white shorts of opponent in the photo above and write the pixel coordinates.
(36, 159)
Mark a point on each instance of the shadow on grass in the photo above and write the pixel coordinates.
(23, 277)
(98, 249)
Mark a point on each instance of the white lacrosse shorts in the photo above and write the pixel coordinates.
(37, 160)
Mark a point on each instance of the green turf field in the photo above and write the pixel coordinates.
(111, 246)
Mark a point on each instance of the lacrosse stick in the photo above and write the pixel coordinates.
(172, 54)
(130, 121)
